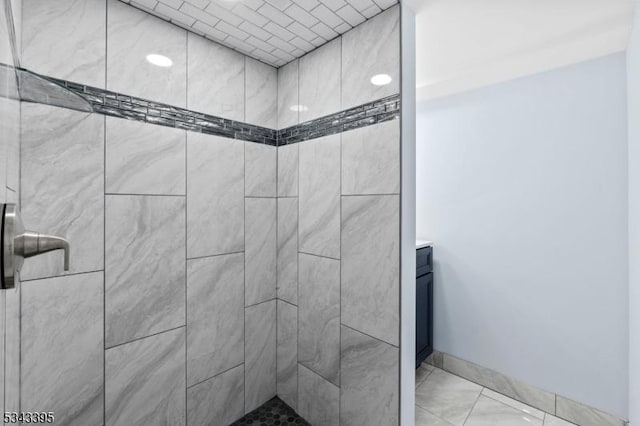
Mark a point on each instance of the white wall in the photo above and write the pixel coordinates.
(523, 188)
(633, 90)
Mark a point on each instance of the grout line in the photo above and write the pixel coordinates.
(214, 255)
(215, 375)
(375, 338)
(317, 255)
(146, 337)
(145, 195)
(30, 280)
(186, 237)
(472, 407)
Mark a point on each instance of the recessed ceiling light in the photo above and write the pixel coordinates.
(299, 108)
(381, 79)
(159, 60)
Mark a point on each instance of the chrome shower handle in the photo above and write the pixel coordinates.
(18, 244)
(31, 244)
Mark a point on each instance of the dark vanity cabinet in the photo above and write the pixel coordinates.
(424, 303)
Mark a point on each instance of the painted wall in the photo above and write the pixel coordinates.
(633, 93)
(523, 188)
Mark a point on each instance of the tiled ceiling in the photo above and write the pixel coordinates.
(272, 31)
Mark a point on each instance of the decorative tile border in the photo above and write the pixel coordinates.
(132, 108)
(378, 111)
(546, 401)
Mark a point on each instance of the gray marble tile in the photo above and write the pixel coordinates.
(489, 412)
(371, 159)
(145, 381)
(288, 95)
(425, 418)
(261, 98)
(447, 396)
(319, 226)
(584, 415)
(288, 250)
(370, 265)
(260, 170)
(423, 372)
(318, 399)
(527, 410)
(319, 316)
(369, 387)
(62, 348)
(550, 420)
(215, 315)
(62, 186)
(507, 386)
(144, 159)
(11, 135)
(260, 246)
(216, 79)
(65, 39)
(215, 195)
(319, 81)
(260, 354)
(132, 35)
(370, 49)
(287, 353)
(288, 170)
(144, 266)
(219, 400)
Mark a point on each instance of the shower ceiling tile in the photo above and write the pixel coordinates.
(257, 27)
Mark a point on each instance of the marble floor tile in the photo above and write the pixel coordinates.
(145, 381)
(423, 372)
(144, 159)
(219, 400)
(133, 34)
(65, 39)
(216, 79)
(584, 415)
(145, 266)
(371, 266)
(371, 160)
(260, 250)
(319, 316)
(287, 270)
(215, 315)
(260, 354)
(369, 388)
(261, 96)
(62, 186)
(319, 80)
(288, 170)
(489, 412)
(425, 418)
(63, 349)
(215, 195)
(447, 396)
(319, 225)
(527, 410)
(501, 383)
(370, 49)
(318, 399)
(288, 95)
(287, 353)
(550, 420)
(260, 170)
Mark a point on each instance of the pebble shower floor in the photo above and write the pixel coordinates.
(272, 412)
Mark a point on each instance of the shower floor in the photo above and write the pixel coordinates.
(272, 412)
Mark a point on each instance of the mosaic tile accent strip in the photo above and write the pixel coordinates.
(272, 412)
(384, 109)
(131, 108)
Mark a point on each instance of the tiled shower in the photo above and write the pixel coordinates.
(234, 227)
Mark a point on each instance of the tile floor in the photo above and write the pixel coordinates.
(444, 399)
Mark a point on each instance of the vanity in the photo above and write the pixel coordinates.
(424, 300)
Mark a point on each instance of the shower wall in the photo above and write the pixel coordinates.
(168, 314)
(338, 233)
(9, 177)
